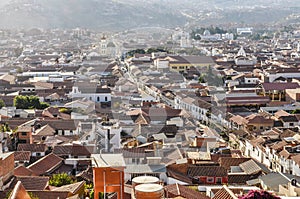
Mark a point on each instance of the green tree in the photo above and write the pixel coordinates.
(202, 79)
(65, 110)
(2, 104)
(4, 128)
(29, 102)
(19, 70)
(60, 179)
(32, 196)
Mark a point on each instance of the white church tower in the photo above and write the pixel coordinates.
(103, 46)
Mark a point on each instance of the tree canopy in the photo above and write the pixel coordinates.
(60, 179)
(29, 102)
(144, 51)
(2, 104)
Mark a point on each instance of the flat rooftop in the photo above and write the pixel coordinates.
(108, 160)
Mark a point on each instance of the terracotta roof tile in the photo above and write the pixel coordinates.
(250, 167)
(72, 188)
(225, 193)
(19, 192)
(74, 150)
(238, 119)
(22, 156)
(32, 147)
(32, 182)
(179, 176)
(257, 141)
(279, 86)
(216, 157)
(46, 164)
(45, 130)
(50, 194)
(240, 178)
(296, 159)
(179, 171)
(281, 113)
(285, 154)
(227, 162)
(255, 119)
(61, 124)
(23, 171)
(207, 171)
(279, 145)
(176, 190)
(86, 175)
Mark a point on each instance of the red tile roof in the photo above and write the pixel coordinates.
(46, 164)
(22, 156)
(227, 162)
(72, 188)
(23, 171)
(32, 182)
(74, 150)
(175, 190)
(225, 193)
(19, 192)
(212, 171)
(250, 167)
(32, 147)
(255, 119)
(247, 100)
(50, 194)
(296, 159)
(279, 86)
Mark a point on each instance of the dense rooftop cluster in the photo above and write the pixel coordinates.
(211, 118)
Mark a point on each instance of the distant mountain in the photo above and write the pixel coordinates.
(96, 14)
(127, 14)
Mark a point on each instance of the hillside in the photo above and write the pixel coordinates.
(127, 14)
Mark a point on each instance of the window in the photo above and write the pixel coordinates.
(210, 179)
(219, 180)
(261, 128)
(105, 99)
(38, 154)
(98, 99)
(291, 124)
(174, 67)
(24, 133)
